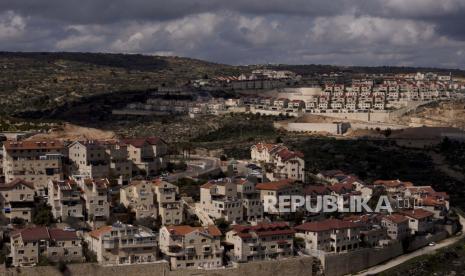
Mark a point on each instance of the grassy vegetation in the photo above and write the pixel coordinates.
(39, 82)
(454, 152)
(373, 160)
(445, 262)
(235, 133)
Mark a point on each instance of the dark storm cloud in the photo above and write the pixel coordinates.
(365, 32)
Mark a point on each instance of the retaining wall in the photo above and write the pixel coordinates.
(287, 267)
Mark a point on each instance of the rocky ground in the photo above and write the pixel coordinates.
(442, 114)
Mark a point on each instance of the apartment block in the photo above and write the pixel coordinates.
(420, 221)
(121, 243)
(170, 207)
(251, 201)
(100, 158)
(34, 161)
(28, 244)
(191, 247)
(261, 242)
(17, 199)
(397, 226)
(270, 192)
(147, 154)
(218, 198)
(96, 208)
(330, 235)
(64, 197)
(140, 198)
(285, 163)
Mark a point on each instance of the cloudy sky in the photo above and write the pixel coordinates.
(344, 32)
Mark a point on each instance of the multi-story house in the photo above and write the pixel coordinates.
(139, 197)
(219, 199)
(271, 191)
(393, 94)
(185, 246)
(281, 103)
(120, 244)
(262, 152)
(262, 241)
(17, 199)
(330, 235)
(323, 102)
(393, 186)
(170, 207)
(351, 102)
(119, 161)
(34, 161)
(285, 163)
(147, 154)
(379, 103)
(95, 200)
(90, 158)
(251, 202)
(64, 197)
(420, 221)
(365, 103)
(311, 104)
(28, 244)
(296, 104)
(397, 226)
(289, 165)
(372, 234)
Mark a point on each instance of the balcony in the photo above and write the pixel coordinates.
(175, 250)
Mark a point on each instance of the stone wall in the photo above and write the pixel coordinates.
(289, 267)
(333, 128)
(420, 242)
(351, 262)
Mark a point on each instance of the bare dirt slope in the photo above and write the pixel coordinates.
(442, 114)
(74, 132)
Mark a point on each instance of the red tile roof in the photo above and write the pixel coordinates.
(326, 225)
(100, 231)
(261, 146)
(341, 188)
(286, 154)
(140, 142)
(182, 230)
(32, 233)
(62, 235)
(417, 213)
(33, 144)
(316, 190)
(275, 185)
(392, 183)
(396, 218)
(14, 183)
(44, 233)
(264, 229)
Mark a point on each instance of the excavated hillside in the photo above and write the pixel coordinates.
(439, 114)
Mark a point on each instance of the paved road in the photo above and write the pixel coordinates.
(423, 251)
(198, 166)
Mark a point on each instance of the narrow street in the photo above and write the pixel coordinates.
(422, 251)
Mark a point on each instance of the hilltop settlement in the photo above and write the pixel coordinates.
(124, 202)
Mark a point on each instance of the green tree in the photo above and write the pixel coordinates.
(222, 224)
(43, 215)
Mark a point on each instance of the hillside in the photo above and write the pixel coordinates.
(438, 114)
(31, 82)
